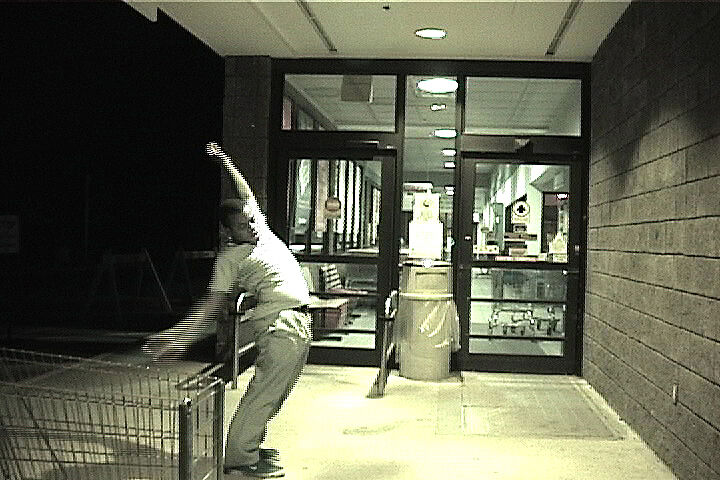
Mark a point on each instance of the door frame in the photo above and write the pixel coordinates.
(388, 254)
(570, 362)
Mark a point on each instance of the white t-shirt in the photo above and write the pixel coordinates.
(271, 273)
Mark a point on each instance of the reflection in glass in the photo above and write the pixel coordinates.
(521, 212)
(517, 319)
(522, 106)
(301, 204)
(339, 212)
(516, 284)
(343, 102)
(348, 293)
(515, 311)
(517, 328)
(425, 156)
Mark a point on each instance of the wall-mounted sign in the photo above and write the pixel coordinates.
(520, 212)
(333, 207)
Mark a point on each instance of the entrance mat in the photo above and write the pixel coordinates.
(534, 410)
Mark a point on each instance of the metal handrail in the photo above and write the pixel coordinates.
(377, 389)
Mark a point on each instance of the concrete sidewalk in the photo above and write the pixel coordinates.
(474, 426)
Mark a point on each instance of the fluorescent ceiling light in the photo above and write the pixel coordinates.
(431, 33)
(445, 133)
(449, 164)
(438, 106)
(438, 85)
(448, 152)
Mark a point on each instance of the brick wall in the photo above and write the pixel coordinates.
(652, 315)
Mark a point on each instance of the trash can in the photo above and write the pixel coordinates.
(427, 328)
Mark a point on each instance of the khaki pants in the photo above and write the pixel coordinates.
(281, 358)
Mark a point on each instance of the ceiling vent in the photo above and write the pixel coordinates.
(356, 88)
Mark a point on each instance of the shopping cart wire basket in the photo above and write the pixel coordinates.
(70, 418)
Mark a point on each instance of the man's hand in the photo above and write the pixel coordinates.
(171, 344)
(215, 152)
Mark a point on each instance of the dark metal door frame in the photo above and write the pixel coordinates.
(570, 362)
(388, 254)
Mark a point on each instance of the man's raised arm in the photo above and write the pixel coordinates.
(245, 193)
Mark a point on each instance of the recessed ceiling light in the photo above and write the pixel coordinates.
(448, 152)
(438, 106)
(449, 165)
(438, 85)
(445, 133)
(431, 33)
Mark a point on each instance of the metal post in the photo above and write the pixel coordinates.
(218, 435)
(186, 439)
(235, 348)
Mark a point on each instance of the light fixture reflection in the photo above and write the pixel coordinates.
(449, 152)
(438, 85)
(431, 33)
(445, 133)
(436, 107)
(449, 164)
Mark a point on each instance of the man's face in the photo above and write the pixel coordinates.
(242, 229)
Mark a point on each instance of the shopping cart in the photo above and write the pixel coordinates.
(72, 418)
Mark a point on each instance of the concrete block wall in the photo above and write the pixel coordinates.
(246, 110)
(652, 307)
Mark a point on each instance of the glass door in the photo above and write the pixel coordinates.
(339, 226)
(518, 263)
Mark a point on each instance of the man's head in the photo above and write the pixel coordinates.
(237, 218)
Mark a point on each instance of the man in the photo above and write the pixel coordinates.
(259, 262)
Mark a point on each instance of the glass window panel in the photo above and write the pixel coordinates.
(299, 225)
(350, 319)
(305, 121)
(517, 319)
(424, 163)
(521, 212)
(322, 193)
(375, 214)
(334, 224)
(512, 284)
(350, 202)
(341, 194)
(357, 191)
(522, 106)
(345, 102)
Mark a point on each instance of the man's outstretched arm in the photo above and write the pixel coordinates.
(173, 342)
(245, 193)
